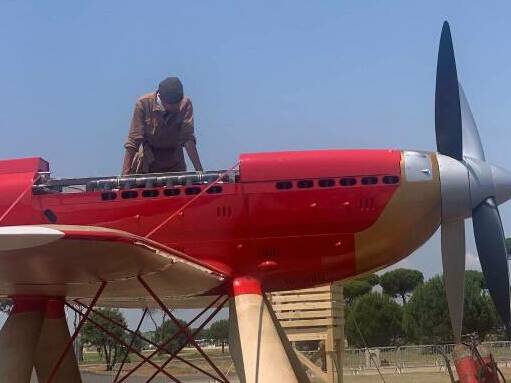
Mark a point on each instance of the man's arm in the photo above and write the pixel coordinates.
(191, 149)
(135, 137)
(188, 136)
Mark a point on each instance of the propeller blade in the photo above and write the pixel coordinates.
(491, 247)
(472, 146)
(448, 125)
(453, 260)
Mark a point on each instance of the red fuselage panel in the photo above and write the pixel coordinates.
(317, 163)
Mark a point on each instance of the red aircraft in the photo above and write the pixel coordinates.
(276, 221)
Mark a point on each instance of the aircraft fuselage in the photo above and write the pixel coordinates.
(291, 218)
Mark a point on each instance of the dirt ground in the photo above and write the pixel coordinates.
(423, 377)
(95, 373)
(415, 378)
(389, 378)
(101, 378)
(404, 378)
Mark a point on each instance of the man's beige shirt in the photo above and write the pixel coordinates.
(165, 133)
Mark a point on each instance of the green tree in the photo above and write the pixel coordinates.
(110, 348)
(167, 330)
(358, 287)
(202, 334)
(372, 279)
(477, 278)
(138, 343)
(219, 332)
(375, 317)
(401, 282)
(426, 316)
(354, 289)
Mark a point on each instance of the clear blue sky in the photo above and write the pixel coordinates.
(263, 75)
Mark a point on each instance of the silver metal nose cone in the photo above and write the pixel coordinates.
(502, 181)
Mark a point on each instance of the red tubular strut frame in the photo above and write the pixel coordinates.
(176, 334)
(85, 316)
(115, 337)
(75, 334)
(158, 347)
(199, 329)
(185, 330)
(131, 342)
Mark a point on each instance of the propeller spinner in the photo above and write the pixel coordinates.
(470, 187)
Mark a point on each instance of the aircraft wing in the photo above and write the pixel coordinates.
(73, 261)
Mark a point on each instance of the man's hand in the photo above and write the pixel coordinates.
(191, 149)
(128, 159)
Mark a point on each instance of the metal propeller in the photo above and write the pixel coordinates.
(470, 187)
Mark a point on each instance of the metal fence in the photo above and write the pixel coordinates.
(402, 358)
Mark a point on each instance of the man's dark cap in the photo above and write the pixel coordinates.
(171, 90)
